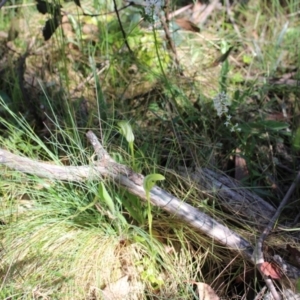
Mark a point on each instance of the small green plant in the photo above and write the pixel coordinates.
(126, 131)
(225, 50)
(151, 274)
(152, 9)
(132, 203)
(71, 226)
(107, 199)
(221, 104)
(134, 207)
(104, 196)
(149, 182)
(222, 101)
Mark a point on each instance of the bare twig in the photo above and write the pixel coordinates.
(207, 12)
(121, 27)
(133, 182)
(260, 295)
(258, 253)
(179, 11)
(232, 20)
(232, 196)
(89, 79)
(2, 3)
(267, 230)
(165, 23)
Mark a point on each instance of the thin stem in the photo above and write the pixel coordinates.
(121, 27)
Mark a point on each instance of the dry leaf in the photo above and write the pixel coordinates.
(206, 292)
(270, 269)
(187, 25)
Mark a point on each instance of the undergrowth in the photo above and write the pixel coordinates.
(224, 101)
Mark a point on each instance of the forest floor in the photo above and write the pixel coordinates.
(213, 87)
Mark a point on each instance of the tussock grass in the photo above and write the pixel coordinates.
(57, 244)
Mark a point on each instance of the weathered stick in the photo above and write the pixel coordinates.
(2, 3)
(258, 253)
(232, 196)
(133, 182)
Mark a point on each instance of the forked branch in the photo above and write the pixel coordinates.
(106, 167)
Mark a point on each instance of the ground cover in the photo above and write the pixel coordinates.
(203, 103)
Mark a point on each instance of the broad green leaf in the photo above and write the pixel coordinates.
(149, 183)
(103, 194)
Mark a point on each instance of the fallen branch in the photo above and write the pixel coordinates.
(258, 254)
(232, 196)
(106, 167)
(2, 3)
(133, 182)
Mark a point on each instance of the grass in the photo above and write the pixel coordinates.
(65, 240)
